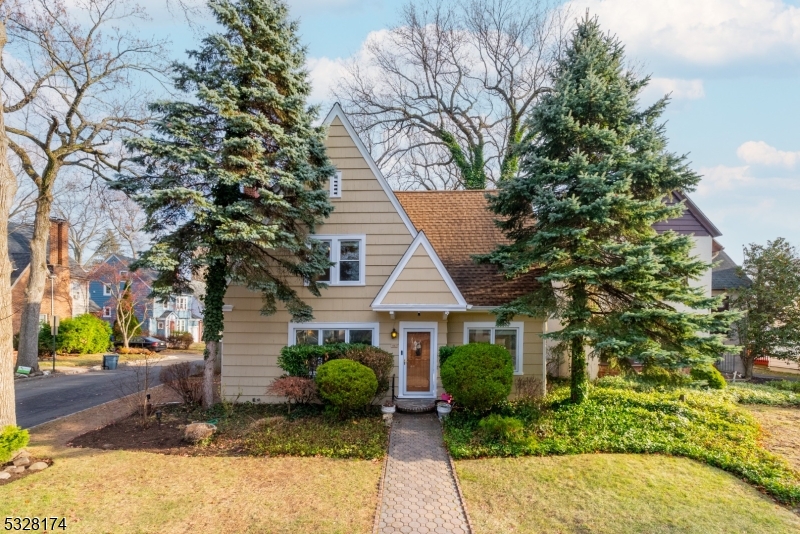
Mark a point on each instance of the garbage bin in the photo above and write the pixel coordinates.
(110, 361)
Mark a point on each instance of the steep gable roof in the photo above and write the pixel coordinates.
(337, 114)
(420, 273)
(693, 220)
(460, 225)
(19, 248)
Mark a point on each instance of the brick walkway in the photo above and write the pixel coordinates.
(419, 492)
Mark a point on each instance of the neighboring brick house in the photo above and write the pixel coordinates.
(180, 313)
(19, 246)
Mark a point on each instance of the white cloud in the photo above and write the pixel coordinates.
(323, 72)
(702, 32)
(722, 178)
(678, 89)
(760, 153)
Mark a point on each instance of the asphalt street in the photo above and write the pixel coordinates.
(40, 400)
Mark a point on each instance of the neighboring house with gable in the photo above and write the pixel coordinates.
(403, 279)
(58, 263)
(179, 313)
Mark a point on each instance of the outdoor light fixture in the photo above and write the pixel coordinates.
(394, 333)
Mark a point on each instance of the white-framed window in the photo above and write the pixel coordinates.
(106, 290)
(327, 333)
(336, 185)
(181, 325)
(508, 336)
(348, 253)
(107, 311)
(123, 274)
(181, 303)
(161, 325)
(43, 317)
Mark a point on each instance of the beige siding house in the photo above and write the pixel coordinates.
(403, 280)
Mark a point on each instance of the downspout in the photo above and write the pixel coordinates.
(544, 358)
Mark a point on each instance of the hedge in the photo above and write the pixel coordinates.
(84, 334)
(299, 360)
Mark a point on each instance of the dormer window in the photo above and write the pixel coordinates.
(348, 254)
(336, 185)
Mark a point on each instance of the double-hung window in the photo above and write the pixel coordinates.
(106, 290)
(348, 254)
(327, 333)
(509, 337)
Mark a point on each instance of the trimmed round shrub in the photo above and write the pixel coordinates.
(664, 377)
(478, 375)
(346, 384)
(710, 374)
(84, 334)
(12, 439)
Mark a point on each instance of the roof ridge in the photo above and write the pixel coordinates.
(446, 191)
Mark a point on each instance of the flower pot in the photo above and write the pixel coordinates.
(388, 409)
(443, 409)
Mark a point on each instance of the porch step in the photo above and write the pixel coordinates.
(416, 405)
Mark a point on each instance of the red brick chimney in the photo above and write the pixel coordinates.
(58, 242)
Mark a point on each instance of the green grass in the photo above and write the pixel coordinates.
(769, 395)
(705, 426)
(614, 494)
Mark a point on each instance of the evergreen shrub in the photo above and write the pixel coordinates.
(445, 351)
(179, 340)
(346, 384)
(710, 374)
(478, 375)
(12, 439)
(502, 428)
(299, 360)
(84, 334)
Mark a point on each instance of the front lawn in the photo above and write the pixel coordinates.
(703, 425)
(217, 490)
(614, 494)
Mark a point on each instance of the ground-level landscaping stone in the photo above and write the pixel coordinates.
(4, 475)
(198, 432)
(38, 466)
(22, 461)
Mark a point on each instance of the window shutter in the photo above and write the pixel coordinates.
(336, 185)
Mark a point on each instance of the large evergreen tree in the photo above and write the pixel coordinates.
(233, 183)
(594, 174)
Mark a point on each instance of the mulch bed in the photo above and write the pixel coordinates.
(165, 438)
(17, 476)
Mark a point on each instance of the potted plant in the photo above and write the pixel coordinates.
(444, 406)
(388, 407)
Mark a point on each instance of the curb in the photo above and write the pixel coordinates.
(458, 487)
(377, 521)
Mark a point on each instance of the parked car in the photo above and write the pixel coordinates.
(144, 342)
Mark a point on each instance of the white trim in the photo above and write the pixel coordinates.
(518, 325)
(337, 111)
(109, 314)
(433, 327)
(335, 190)
(106, 290)
(375, 327)
(420, 240)
(336, 250)
(227, 307)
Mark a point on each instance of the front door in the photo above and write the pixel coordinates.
(417, 354)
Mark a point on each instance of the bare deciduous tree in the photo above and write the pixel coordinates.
(78, 200)
(126, 218)
(73, 92)
(129, 295)
(440, 98)
(8, 189)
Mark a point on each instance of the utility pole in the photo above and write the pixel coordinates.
(54, 323)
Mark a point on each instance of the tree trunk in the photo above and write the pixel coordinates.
(747, 361)
(8, 188)
(38, 275)
(579, 386)
(216, 285)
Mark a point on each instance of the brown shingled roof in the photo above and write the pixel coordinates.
(459, 225)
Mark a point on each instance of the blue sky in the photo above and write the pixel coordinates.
(733, 67)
